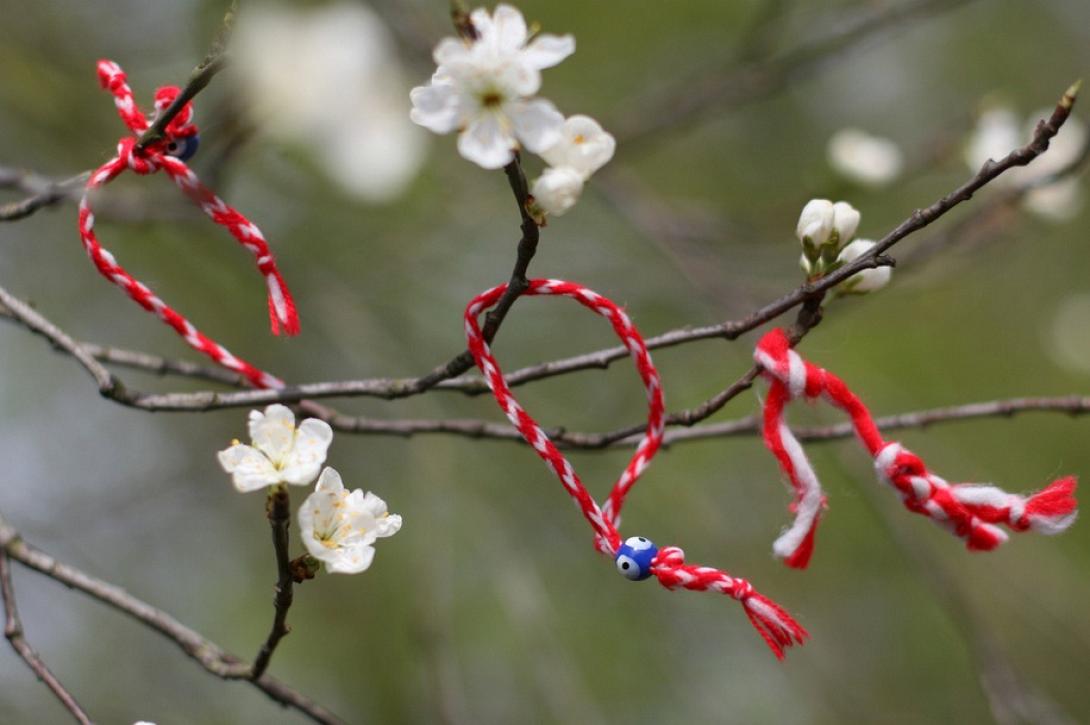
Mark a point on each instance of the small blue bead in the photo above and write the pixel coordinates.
(634, 558)
(184, 148)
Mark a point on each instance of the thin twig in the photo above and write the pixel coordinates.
(207, 653)
(13, 631)
(199, 78)
(279, 513)
(43, 192)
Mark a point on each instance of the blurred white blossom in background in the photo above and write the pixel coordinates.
(865, 159)
(328, 79)
(1067, 340)
(999, 131)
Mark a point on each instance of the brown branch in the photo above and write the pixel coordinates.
(13, 631)
(208, 654)
(199, 78)
(46, 192)
(42, 192)
(279, 513)
(1073, 405)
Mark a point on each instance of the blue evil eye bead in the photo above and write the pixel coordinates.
(634, 558)
(184, 147)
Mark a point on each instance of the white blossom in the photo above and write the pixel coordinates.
(863, 158)
(583, 146)
(339, 528)
(329, 81)
(557, 190)
(820, 218)
(281, 453)
(867, 280)
(483, 88)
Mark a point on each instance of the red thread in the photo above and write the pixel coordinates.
(970, 511)
(773, 623)
(282, 311)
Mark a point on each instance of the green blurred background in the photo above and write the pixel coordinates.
(490, 605)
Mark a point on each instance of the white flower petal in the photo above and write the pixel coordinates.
(351, 560)
(451, 50)
(250, 469)
(537, 124)
(509, 28)
(372, 504)
(486, 143)
(545, 51)
(863, 158)
(388, 525)
(312, 440)
(273, 431)
(329, 482)
(583, 146)
(436, 107)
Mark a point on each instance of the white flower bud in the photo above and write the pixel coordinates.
(868, 280)
(815, 222)
(845, 221)
(557, 190)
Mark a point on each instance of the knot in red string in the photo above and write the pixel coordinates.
(181, 125)
(139, 161)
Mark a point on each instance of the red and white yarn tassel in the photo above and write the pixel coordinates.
(775, 625)
(970, 511)
(282, 311)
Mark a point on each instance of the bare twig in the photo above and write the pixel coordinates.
(210, 65)
(443, 377)
(13, 631)
(279, 513)
(42, 192)
(207, 653)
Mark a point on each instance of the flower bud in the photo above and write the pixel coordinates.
(868, 280)
(815, 222)
(557, 190)
(845, 221)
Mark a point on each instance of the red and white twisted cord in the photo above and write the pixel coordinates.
(282, 311)
(970, 511)
(775, 625)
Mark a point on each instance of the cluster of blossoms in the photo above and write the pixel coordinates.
(339, 527)
(826, 231)
(485, 89)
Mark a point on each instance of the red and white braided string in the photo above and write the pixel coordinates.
(282, 312)
(970, 511)
(775, 625)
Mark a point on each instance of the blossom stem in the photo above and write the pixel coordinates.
(278, 510)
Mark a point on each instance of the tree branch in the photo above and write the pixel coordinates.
(13, 631)
(210, 65)
(207, 653)
(279, 513)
